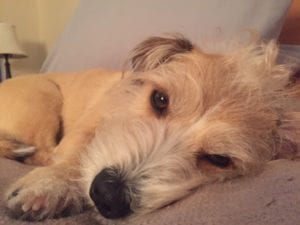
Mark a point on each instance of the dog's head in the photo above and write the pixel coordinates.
(183, 118)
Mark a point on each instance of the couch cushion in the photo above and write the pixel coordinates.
(272, 197)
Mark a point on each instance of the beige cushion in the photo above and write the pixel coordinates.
(271, 198)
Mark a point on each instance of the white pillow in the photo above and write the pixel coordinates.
(102, 32)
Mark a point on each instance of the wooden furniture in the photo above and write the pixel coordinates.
(290, 33)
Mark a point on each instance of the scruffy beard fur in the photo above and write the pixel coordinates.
(224, 115)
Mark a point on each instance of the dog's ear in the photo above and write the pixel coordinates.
(155, 51)
(289, 122)
(289, 135)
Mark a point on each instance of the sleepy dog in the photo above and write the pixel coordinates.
(130, 142)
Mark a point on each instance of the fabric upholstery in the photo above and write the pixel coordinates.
(271, 198)
(102, 32)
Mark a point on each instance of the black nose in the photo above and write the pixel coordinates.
(108, 191)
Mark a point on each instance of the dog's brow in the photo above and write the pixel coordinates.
(138, 82)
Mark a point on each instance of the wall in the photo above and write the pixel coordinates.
(38, 24)
(53, 16)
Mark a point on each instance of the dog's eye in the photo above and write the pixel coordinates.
(159, 102)
(221, 161)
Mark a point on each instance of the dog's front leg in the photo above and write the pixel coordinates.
(53, 190)
(44, 193)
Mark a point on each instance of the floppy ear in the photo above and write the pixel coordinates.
(289, 122)
(289, 133)
(154, 51)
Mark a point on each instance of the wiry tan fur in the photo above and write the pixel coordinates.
(240, 105)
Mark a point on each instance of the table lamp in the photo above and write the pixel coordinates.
(9, 46)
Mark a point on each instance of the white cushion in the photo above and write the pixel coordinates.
(102, 33)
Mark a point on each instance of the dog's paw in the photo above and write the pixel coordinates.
(43, 193)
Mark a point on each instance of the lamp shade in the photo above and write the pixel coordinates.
(9, 44)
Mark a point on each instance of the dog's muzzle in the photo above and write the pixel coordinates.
(109, 193)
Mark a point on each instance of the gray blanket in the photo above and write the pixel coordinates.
(271, 198)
